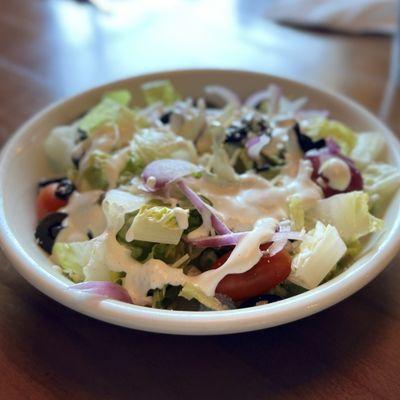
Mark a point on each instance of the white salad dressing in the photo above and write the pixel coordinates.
(337, 172)
(140, 278)
(114, 165)
(84, 214)
(242, 203)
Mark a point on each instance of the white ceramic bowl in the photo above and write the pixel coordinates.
(23, 163)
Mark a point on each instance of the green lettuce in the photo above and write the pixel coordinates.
(348, 213)
(321, 128)
(369, 147)
(296, 212)
(160, 91)
(152, 144)
(316, 256)
(190, 292)
(93, 176)
(158, 224)
(81, 261)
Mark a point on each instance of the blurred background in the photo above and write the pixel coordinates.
(54, 48)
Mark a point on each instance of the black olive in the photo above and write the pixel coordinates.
(64, 189)
(263, 168)
(305, 142)
(76, 160)
(82, 135)
(89, 234)
(44, 182)
(211, 105)
(165, 118)
(236, 134)
(48, 229)
(268, 298)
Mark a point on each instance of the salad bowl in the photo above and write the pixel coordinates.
(23, 160)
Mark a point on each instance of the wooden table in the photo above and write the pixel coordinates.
(51, 49)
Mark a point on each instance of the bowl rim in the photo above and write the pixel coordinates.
(189, 322)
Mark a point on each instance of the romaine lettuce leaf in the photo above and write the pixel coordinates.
(59, 146)
(160, 91)
(369, 146)
(380, 181)
(158, 224)
(321, 128)
(122, 96)
(296, 212)
(83, 260)
(190, 292)
(152, 144)
(317, 255)
(93, 175)
(348, 213)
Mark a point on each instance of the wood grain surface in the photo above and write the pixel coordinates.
(52, 49)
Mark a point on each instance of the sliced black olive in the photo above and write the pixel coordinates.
(82, 135)
(211, 105)
(264, 298)
(48, 229)
(165, 118)
(305, 142)
(64, 189)
(76, 160)
(89, 234)
(45, 182)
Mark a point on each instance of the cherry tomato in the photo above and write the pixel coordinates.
(266, 274)
(47, 201)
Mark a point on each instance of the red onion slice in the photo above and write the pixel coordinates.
(204, 209)
(232, 239)
(222, 93)
(255, 145)
(160, 173)
(276, 247)
(107, 290)
(256, 98)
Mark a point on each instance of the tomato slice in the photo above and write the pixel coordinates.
(47, 201)
(266, 274)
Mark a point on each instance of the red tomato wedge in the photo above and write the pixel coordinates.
(266, 274)
(47, 201)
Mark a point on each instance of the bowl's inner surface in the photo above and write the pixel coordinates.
(24, 161)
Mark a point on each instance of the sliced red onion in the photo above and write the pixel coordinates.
(318, 157)
(107, 290)
(232, 239)
(255, 145)
(224, 94)
(256, 98)
(160, 173)
(274, 99)
(205, 211)
(309, 114)
(276, 247)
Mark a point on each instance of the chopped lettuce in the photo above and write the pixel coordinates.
(380, 182)
(152, 144)
(59, 146)
(112, 113)
(296, 212)
(158, 224)
(317, 255)
(93, 175)
(190, 292)
(122, 96)
(82, 260)
(160, 91)
(321, 128)
(219, 163)
(368, 148)
(348, 213)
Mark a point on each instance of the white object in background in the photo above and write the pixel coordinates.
(355, 16)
